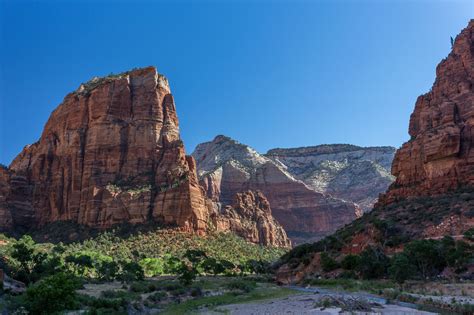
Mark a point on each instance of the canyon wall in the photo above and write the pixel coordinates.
(226, 167)
(349, 172)
(439, 157)
(110, 153)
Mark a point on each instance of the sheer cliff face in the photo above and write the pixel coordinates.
(226, 167)
(344, 171)
(440, 155)
(110, 153)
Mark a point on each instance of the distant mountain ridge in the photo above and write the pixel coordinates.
(226, 167)
(353, 173)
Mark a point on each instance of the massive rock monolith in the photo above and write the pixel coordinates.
(110, 153)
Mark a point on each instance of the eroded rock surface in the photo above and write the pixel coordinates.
(250, 217)
(226, 167)
(440, 154)
(349, 172)
(110, 153)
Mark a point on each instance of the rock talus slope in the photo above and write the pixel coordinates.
(110, 153)
(226, 167)
(440, 155)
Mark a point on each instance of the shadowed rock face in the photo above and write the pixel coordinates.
(440, 155)
(110, 153)
(349, 172)
(226, 167)
(250, 217)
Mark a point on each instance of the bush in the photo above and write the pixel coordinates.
(327, 263)
(242, 285)
(373, 263)
(132, 271)
(350, 262)
(152, 266)
(52, 294)
(401, 269)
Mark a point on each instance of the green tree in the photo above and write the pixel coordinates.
(350, 262)
(52, 294)
(401, 269)
(427, 256)
(373, 263)
(132, 271)
(327, 263)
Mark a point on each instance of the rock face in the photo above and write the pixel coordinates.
(433, 195)
(250, 217)
(226, 167)
(110, 153)
(344, 171)
(440, 155)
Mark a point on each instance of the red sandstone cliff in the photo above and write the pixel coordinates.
(250, 217)
(440, 155)
(110, 153)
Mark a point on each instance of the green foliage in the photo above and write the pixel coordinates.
(131, 271)
(401, 269)
(327, 263)
(469, 234)
(52, 294)
(107, 270)
(242, 285)
(152, 266)
(350, 262)
(373, 263)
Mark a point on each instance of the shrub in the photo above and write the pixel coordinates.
(52, 294)
(350, 262)
(401, 269)
(327, 263)
(242, 285)
(152, 266)
(131, 271)
(373, 263)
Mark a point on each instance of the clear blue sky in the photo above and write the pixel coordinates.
(267, 73)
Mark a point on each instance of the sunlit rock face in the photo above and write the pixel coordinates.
(110, 153)
(250, 217)
(440, 154)
(349, 172)
(226, 167)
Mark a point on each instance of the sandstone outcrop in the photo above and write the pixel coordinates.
(440, 154)
(433, 195)
(226, 167)
(110, 153)
(250, 217)
(349, 172)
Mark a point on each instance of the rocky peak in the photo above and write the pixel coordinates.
(110, 153)
(223, 149)
(439, 156)
(227, 167)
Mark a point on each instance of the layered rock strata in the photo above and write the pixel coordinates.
(226, 167)
(110, 153)
(349, 172)
(440, 154)
(250, 217)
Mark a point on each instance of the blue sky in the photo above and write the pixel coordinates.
(267, 73)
